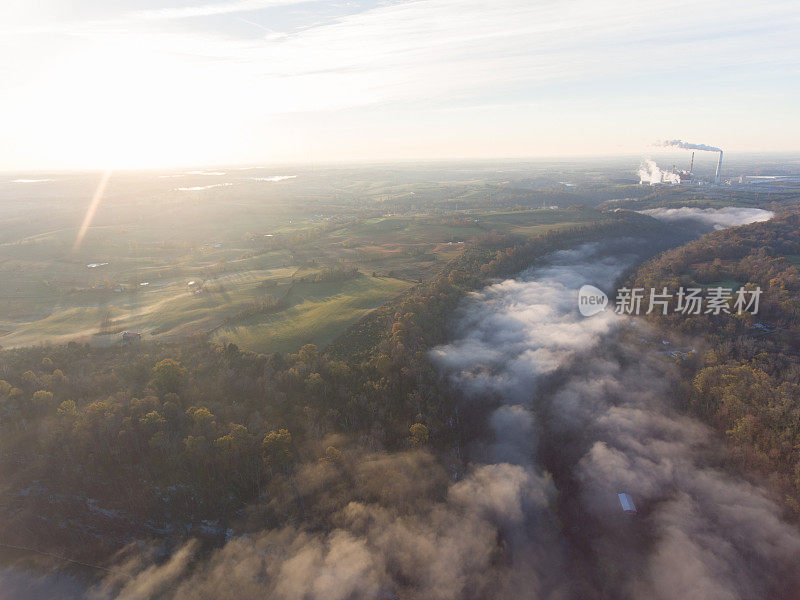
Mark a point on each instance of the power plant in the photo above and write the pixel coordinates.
(650, 173)
(704, 147)
(685, 176)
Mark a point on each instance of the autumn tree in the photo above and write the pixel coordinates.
(167, 375)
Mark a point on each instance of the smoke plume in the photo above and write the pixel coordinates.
(689, 146)
(650, 174)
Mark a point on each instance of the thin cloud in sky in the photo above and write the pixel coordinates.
(207, 10)
(429, 49)
(360, 73)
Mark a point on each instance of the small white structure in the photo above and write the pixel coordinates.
(626, 502)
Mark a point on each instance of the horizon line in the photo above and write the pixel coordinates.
(310, 164)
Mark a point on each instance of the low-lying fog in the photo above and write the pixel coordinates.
(601, 417)
(718, 218)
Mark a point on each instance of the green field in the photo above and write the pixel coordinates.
(319, 313)
(259, 262)
(56, 297)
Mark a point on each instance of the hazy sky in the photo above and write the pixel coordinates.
(113, 83)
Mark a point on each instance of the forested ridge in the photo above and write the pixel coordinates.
(104, 445)
(747, 383)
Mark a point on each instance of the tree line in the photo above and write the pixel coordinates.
(747, 384)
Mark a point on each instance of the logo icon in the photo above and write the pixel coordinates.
(591, 300)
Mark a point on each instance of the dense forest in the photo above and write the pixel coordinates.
(747, 382)
(106, 445)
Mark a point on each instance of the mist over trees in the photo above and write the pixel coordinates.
(747, 383)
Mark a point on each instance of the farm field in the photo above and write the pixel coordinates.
(267, 267)
(316, 315)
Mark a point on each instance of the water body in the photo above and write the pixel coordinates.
(34, 576)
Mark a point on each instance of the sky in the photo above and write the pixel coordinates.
(159, 83)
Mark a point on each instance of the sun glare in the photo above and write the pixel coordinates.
(90, 212)
(121, 107)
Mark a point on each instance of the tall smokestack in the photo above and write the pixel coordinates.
(691, 165)
(719, 168)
